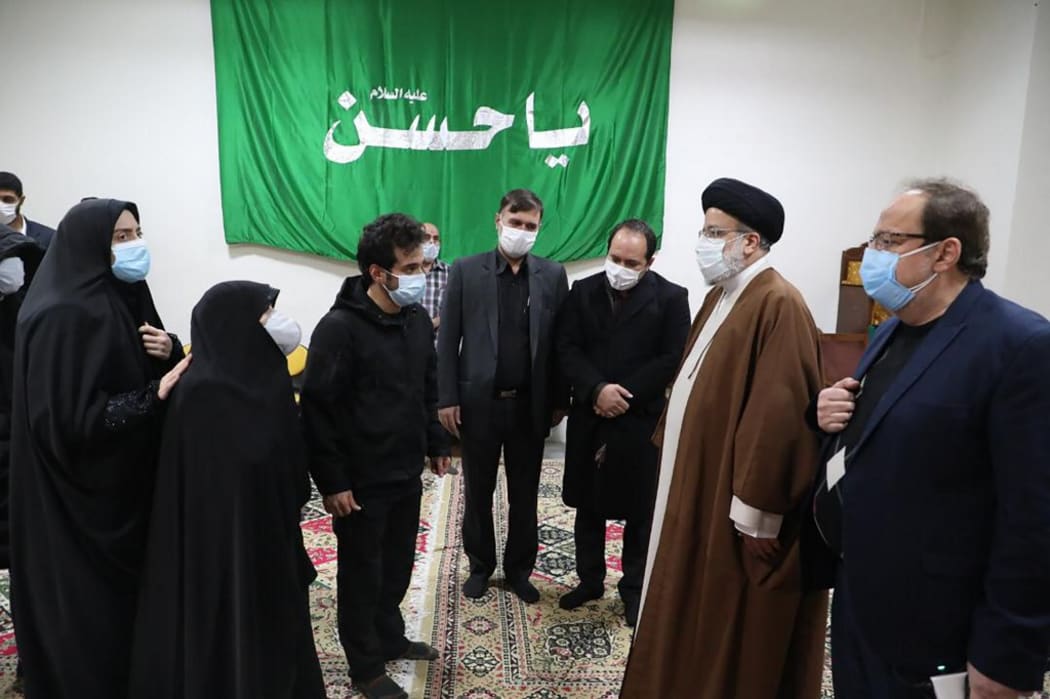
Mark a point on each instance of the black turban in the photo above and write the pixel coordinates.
(759, 210)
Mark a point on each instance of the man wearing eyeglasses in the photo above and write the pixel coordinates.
(936, 497)
(724, 613)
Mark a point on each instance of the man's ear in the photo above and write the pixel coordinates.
(948, 255)
(376, 273)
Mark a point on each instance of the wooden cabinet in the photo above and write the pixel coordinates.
(857, 313)
(858, 316)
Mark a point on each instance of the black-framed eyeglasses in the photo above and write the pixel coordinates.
(891, 240)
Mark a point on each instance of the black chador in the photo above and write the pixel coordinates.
(224, 609)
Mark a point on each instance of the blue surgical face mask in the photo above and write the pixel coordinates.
(878, 271)
(430, 251)
(131, 261)
(410, 288)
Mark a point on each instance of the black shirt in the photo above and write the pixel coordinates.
(514, 355)
(828, 505)
(900, 348)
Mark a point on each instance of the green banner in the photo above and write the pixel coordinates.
(332, 112)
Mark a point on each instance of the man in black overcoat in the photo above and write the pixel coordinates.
(620, 340)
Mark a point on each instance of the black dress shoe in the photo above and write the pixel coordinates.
(382, 687)
(579, 595)
(476, 586)
(630, 610)
(525, 590)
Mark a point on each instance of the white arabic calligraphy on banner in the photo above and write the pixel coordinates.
(442, 139)
(382, 93)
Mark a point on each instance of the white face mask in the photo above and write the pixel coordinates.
(620, 278)
(711, 258)
(12, 275)
(284, 331)
(430, 251)
(8, 213)
(516, 242)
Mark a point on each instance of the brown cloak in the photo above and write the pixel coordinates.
(716, 622)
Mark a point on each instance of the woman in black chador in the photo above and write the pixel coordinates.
(19, 258)
(224, 608)
(92, 367)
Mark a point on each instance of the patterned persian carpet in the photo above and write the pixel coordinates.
(492, 648)
(496, 647)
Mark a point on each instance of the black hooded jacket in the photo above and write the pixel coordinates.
(369, 399)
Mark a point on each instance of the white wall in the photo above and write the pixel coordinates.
(978, 106)
(829, 104)
(1028, 278)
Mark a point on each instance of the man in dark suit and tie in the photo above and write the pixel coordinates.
(12, 199)
(936, 496)
(499, 387)
(620, 340)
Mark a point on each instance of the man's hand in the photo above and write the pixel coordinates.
(437, 322)
(341, 504)
(765, 550)
(169, 380)
(557, 416)
(439, 465)
(450, 420)
(984, 687)
(156, 341)
(612, 400)
(835, 405)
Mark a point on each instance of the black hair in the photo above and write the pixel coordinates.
(521, 200)
(9, 180)
(636, 225)
(380, 238)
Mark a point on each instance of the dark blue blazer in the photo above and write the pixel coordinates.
(946, 533)
(39, 232)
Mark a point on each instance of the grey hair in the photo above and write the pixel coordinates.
(763, 242)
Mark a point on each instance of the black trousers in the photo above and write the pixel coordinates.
(377, 547)
(857, 672)
(507, 428)
(589, 531)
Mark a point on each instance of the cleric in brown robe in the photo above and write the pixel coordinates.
(724, 612)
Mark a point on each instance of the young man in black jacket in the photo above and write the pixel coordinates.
(369, 404)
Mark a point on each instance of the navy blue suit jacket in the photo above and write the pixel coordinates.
(946, 532)
(39, 232)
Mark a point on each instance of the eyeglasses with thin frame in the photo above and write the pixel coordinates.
(891, 240)
(719, 233)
